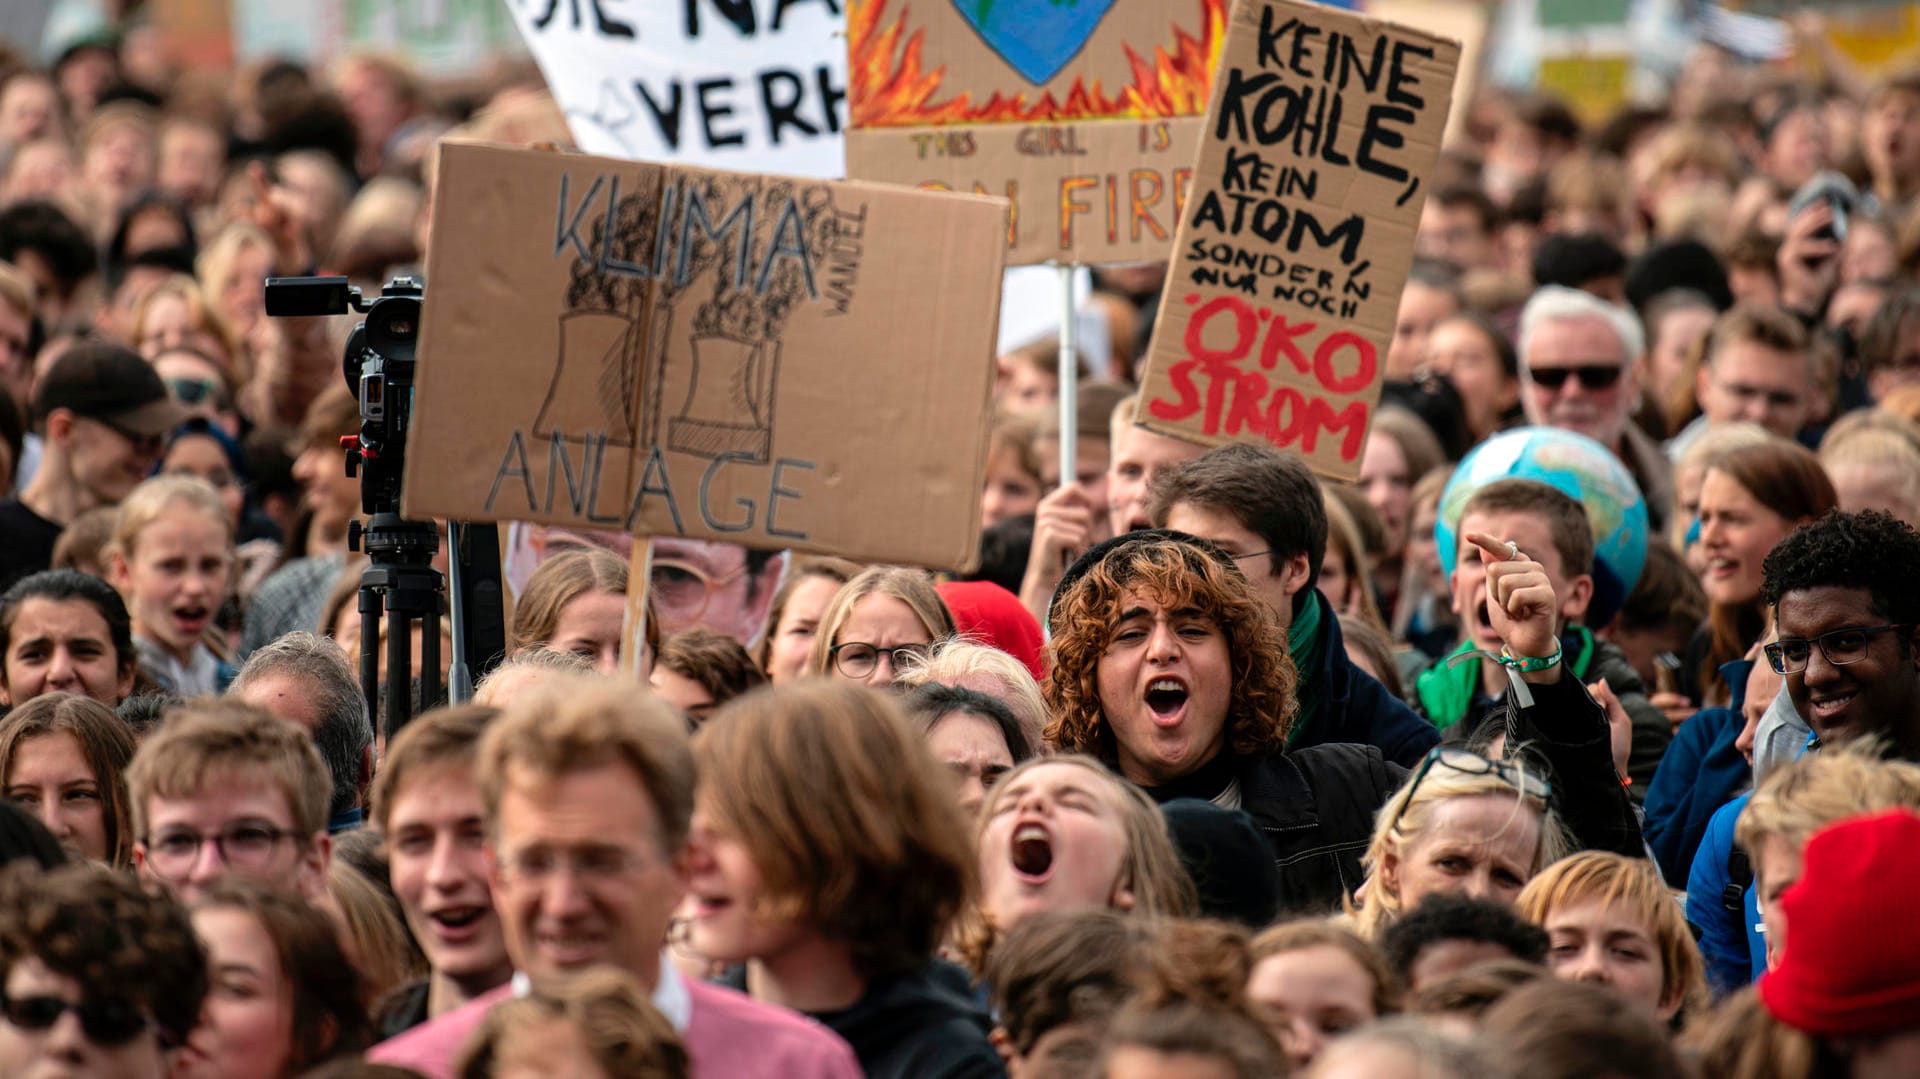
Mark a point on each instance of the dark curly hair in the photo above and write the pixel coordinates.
(1177, 571)
(97, 927)
(1868, 550)
(1446, 916)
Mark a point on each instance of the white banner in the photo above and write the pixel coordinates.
(752, 85)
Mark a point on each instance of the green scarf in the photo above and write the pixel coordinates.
(1447, 688)
(1308, 648)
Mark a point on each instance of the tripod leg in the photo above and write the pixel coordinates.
(370, 609)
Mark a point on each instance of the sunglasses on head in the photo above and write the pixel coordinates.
(1592, 376)
(106, 1023)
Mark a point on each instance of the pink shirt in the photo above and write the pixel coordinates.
(727, 1034)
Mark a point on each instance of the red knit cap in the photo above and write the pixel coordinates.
(992, 615)
(1851, 966)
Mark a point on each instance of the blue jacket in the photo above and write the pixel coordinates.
(1701, 771)
(1355, 708)
(1734, 949)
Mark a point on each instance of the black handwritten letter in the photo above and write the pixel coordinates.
(513, 463)
(737, 12)
(780, 8)
(706, 504)
(711, 111)
(1268, 54)
(609, 26)
(654, 480)
(792, 224)
(783, 105)
(1398, 78)
(665, 117)
(1376, 132)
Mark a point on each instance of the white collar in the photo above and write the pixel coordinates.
(670, 995)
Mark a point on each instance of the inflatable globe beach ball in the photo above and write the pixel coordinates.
(1586, 471)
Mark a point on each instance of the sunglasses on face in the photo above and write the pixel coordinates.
(192, 391)
(1592, 376)
(106, 1023)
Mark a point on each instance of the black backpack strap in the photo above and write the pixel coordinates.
(1739, 879)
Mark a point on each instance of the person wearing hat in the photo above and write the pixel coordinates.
(103, 413)
(1849, 974)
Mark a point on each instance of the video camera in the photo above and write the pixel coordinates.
(378, 365)
(400, 580)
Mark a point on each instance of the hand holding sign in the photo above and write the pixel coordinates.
(1521, 606)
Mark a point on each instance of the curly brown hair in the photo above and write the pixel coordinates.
(97, 926)
(1176, 573)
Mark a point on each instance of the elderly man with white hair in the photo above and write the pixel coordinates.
(1580, 367)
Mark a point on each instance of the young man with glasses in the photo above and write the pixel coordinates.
(1758, 368)
(587, 786)
(1580, 362)
(1264, 508)
(228, 789)
(97, 976)
(103, 413)
(1845, 596)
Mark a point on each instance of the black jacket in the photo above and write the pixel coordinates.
(923, 1023)
(1569, 729)
(1352, 707)
(1316, 807)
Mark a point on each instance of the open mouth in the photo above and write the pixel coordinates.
(1032, 853)
(458, 917)
(1166, 697)
(193, 614)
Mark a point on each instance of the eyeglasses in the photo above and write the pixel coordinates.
(1250, 554)
(1789, 655)
(106, 1023)
(857, 659)
(593, 864)
(1470, 763)
(681, 590)
(243, 846)
(1592, 376)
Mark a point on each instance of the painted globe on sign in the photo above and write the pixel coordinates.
(1584, 470)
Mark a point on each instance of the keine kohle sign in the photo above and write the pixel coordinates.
(1297, 237)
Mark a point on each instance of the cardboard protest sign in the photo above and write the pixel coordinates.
(1289, 262)
(735, 84)
(762, 360)
(1464, 21)
(1085, 114)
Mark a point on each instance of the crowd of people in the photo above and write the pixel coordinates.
(1214, 767)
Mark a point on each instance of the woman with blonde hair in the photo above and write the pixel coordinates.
(64, 758)
(1463, 824)
(828, 857)
(1064, 833)
(176, 314)
(575, 602)
(1346, 573)
(984, 669)
(1611, 920)
(876, 623)
(372, 936)
(1873, 460)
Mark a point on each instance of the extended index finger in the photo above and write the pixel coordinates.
(1493, 548)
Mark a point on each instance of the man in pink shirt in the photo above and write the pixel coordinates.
(588, 787)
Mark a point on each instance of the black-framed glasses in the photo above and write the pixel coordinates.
(681, 590)
(1592, 376)
(1849, 644)
(106, 1023)
(1237, 558)
(1467, 762)
(857, 659)
(242, 846)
